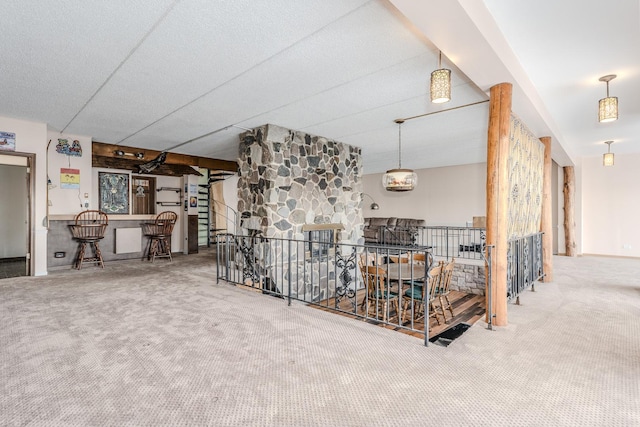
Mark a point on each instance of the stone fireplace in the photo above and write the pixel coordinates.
(289, 179)
(292, 183)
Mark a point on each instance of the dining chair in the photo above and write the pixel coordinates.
(396, 259)
(365, 259)
(443, 289)
(88, 229)
(419, 257)
(416, 296)
(378, 293)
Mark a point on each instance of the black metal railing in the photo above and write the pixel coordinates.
(442, 241)
(524, 264)
(364, 281)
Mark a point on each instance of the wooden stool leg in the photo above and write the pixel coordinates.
(148, 250)
(153, 250)
(163, 247)
(80, 257)
(167, 244)
(98, 254)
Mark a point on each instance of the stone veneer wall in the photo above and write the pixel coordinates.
(468, 278)
(289, 179)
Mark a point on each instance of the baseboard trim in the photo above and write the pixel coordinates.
(612, 256)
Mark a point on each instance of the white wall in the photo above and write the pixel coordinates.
(70, 201)
(31, 137)
(444, 196)
(230, 191)
(610, 206)
(14, 208)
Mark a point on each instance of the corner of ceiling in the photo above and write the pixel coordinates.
(479, 49)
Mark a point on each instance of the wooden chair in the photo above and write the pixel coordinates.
(378, 292)
(159, 233)
(88, 229)
(417, 296)
(396, 259)
(365, 259)
(422, 257)
(443, 289)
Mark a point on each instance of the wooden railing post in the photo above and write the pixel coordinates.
(497, 197)
(547, 217)
(569, 222)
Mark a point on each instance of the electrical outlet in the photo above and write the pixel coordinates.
(49, 203)
(626, 246)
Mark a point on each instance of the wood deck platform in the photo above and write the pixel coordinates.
(468, 308)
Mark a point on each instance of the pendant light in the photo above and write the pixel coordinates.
(608, 107)
(607, 158)
(440, 83)
(399, 179)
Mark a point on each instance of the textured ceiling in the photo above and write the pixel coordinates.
(565, 47)
(188, 75)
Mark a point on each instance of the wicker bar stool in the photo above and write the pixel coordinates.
(89, 229)
(159, 233)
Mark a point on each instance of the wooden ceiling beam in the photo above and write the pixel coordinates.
(109, 150)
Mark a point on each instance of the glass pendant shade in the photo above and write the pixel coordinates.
(607, 158)
(441, 86)
(400, 180)
(608, 109)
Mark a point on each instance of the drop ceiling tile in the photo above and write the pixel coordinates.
(57, 54)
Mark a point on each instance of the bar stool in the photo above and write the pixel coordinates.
(88, 229)
(159, 233)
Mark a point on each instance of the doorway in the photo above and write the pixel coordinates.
(15, 214)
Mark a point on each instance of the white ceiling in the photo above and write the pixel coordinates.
(187, 75)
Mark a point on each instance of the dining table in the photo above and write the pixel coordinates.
(399, 272)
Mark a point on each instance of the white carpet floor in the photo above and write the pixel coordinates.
(140, 344)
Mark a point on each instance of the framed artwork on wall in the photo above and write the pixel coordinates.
(113, 189)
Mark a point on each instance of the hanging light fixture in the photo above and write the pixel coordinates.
(607, 158)
(608, 107)
(399, 179)
(440, 83)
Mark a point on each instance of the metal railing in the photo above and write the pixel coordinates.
(524, 264)
(488, 289)
(442, 241)
(337, 280)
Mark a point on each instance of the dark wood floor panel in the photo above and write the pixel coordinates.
(468, 308)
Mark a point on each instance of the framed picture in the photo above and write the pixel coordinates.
(7, 141)
(113, 190)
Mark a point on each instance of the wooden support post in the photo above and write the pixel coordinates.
(569, 223)
(546, 220)
(497, 197)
